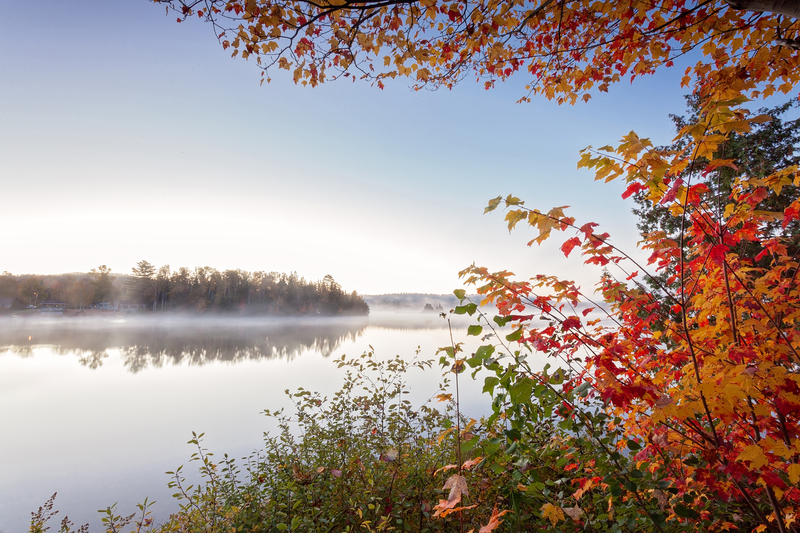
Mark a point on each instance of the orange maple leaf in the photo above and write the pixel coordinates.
(445, 468)
(470, 463)
(458, 486)
(494, 521)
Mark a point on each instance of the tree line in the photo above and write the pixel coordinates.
(201, 290)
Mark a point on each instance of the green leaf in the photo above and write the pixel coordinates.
(521, 391)
(460, 293)
(461, 309)
(501, 321)
(582, 390)
(282, 526)
(685, 512)
(633, 445)
(474, 330)
(295, 522)
(492, 446)
(514, 336)
(467, 446)
(489, 384)
(484, 352)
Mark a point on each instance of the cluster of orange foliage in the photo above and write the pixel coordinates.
(567, 47)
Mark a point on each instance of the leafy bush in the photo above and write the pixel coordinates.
(365, 459)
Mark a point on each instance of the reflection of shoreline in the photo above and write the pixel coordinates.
(157, 341)
(144, 342)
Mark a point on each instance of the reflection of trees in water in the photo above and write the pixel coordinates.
(153, 344)
(92, 358)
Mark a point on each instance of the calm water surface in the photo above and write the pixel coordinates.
(98, 410)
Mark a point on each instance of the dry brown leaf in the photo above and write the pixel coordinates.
(301, 477)
(445, 468)
(573, 512)
(457, 485)
(470, 463)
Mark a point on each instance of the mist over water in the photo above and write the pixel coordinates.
(149, 341)
(98, 409)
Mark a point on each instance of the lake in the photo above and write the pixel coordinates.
(98, 410)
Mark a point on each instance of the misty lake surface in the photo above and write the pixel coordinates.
(99, 409)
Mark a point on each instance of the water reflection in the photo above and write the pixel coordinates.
(143, 343)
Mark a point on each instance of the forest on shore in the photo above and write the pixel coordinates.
(201, 290)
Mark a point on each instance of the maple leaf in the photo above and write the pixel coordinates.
(673, 192)
(755, 454)
(457, 484)
(443, 509)
(717, 253)
(574, 512)
(794, 473)
(445, 469)
(494, 521)
(554, 513)
(568, 245)
(471, 462)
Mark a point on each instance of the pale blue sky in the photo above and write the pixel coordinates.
(127, 136)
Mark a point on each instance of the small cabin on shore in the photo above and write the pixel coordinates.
(126, 306)
(52, 307)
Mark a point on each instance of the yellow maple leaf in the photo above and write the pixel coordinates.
(755, 455)
(554, 513)
(794, 473)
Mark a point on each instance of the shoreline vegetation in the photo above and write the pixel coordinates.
(158, 290)
(364, 459)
